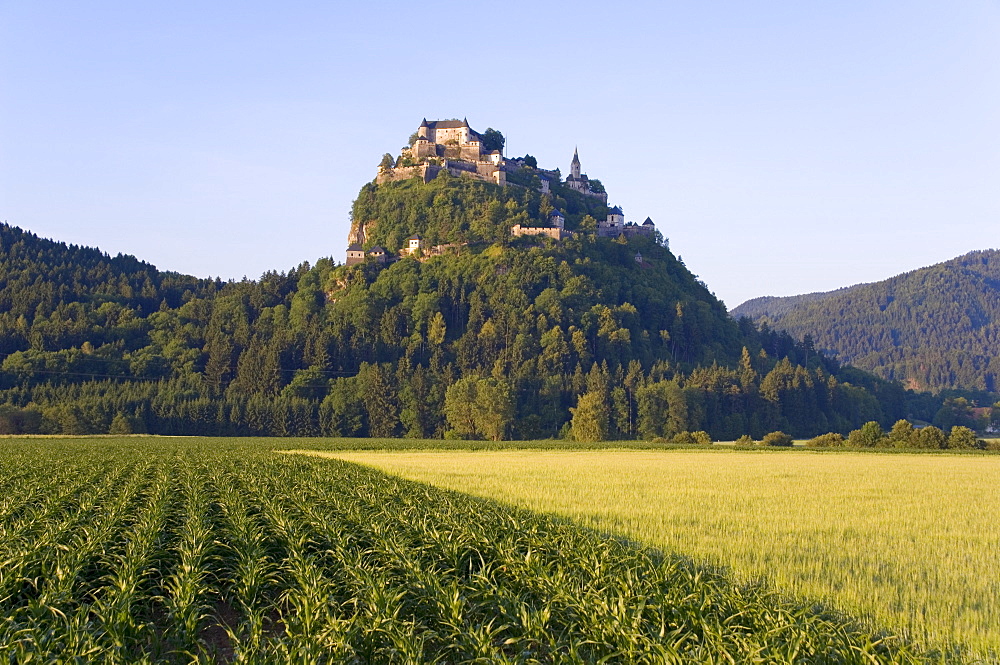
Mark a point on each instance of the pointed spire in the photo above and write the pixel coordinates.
(576, 155)
(424, 123)
(465, 121)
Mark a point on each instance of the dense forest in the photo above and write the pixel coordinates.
(932, 329)
(490, 337)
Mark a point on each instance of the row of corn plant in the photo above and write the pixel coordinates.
(50, 604)
(44, 499)
(49, 529)
(254, 554)
(313, 596)
(20, 488)
(190, 589)
(123, 598)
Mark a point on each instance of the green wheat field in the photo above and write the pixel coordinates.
(909, 541)
(179, 550)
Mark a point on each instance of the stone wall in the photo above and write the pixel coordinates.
(426, 172)
(471, 153)
(629, 230)
(552, 232)
(639, 230)
(583, 187)
(422, 149)
(458, 166)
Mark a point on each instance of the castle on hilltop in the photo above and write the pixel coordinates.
(457, 147)
(444, 138)
(453, 145)
(445, 144)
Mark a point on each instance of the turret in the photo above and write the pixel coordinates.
(616, 218)
(557, 219)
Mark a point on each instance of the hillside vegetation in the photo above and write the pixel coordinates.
(493, 338)
(933, 328)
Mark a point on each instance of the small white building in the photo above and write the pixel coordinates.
(413, 243)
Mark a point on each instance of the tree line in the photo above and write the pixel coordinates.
(904, 435)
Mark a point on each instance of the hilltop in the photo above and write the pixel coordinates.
(934, 328)
(527, 200)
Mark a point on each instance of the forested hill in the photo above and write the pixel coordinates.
(40, 275)
(933, 328)
(54, 295)
(487, 336)
(773, 307)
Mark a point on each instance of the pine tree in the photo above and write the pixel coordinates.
(120, 425)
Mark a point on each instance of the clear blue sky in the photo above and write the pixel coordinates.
(782, 147)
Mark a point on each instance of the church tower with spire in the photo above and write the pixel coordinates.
(574, 166)
(580, 182)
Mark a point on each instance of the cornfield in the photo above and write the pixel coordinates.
(120, 551)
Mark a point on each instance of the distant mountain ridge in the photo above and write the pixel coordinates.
(772, 306)
(933, 328)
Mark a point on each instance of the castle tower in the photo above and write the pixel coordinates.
(613, 226)
(557, 219)
(574, 166)
(616, 219)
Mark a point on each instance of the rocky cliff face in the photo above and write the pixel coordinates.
(358, 233)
